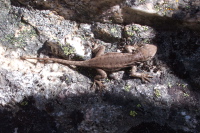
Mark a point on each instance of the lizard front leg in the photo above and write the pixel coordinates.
(98, 50)
(143, 76)
(101, 75)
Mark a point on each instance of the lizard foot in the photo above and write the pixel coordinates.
(99, 83)
(145, 77)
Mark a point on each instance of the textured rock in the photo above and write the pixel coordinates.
(58, 98)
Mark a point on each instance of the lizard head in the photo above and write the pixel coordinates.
(148, 51)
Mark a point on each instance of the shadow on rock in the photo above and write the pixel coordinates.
(111, 112)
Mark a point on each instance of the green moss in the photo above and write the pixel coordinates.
(22, 37)
(127, 88)
(169, 85)
(113, 30)
(107, 79)
(145, 28)
(146, 40)
(135, 28)
(186, 95)
(164, 8)
(68, 49)
(129, 33)
(187, 7)
(24, 103)
(157, 93)
(157, 7)
(139, 105)
(133, 113)
(184, 85)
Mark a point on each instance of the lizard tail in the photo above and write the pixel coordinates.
(61, 61)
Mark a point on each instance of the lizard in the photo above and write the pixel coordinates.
(113, 61)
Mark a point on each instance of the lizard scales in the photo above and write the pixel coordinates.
(110, 61)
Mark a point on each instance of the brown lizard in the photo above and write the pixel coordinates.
(113, 61)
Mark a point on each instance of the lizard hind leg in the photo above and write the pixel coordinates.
(101, 75)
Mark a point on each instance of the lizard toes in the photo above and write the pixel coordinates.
(99, 84)
(146, 77)
(93, 86)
